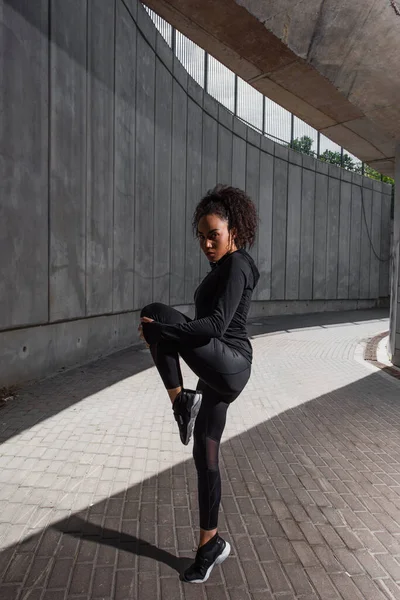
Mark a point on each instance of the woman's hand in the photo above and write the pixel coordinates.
(140, 328)
(146, 320)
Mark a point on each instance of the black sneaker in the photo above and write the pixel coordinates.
(214, 552)
(186, 407)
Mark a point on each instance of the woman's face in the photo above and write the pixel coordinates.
(215, 239)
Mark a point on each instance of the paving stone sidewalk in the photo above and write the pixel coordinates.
(98, 496)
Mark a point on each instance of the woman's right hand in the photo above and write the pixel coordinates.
(140, 329)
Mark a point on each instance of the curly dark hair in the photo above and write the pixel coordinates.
(234, 206)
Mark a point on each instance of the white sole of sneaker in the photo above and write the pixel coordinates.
(193, 415)
(224, 555)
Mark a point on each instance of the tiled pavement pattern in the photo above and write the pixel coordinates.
(98, 496)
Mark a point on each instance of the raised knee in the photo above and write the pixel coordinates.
(152, 310)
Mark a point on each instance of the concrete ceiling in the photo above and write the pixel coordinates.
(333, 63)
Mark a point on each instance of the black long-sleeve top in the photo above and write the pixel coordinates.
(222, 303)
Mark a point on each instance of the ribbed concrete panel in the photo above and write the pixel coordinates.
(355, 242)
(209, 153)
(68, 159)
(23, 164)
(376, 244)
(225, 144)
(292, 268)
(144, 184)
(132, 7)
(124, 170)
(263, 290)
(253, 185)
(100, 158)
(239, 162)
(279, 223)
(162, 188)
(193, 194)
(320, 236)
(332, 249)
(209, 169)
(293, 233)
(385, 246)
(178, 195)
(366, 228)
(307, 235)
(344, 240)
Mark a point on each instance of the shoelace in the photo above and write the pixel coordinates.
(181, 408)
(201, 564)
(178, 418)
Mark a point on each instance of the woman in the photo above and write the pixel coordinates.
(215, 346)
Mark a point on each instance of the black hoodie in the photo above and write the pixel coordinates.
(222, 303)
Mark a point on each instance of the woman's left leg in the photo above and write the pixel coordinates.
(208, 430)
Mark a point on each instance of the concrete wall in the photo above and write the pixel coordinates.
(106, 145)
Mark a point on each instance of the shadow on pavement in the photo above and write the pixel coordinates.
(31, 405)
(120, 540)
(311, 505)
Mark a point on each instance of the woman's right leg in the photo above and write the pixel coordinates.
(220, 367)
(165, 355)
(185, 403)
(215, 363)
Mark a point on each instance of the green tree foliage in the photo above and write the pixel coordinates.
(303, 145)
(335, 158)
(370, 172)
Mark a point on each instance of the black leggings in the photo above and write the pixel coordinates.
(223, 373)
